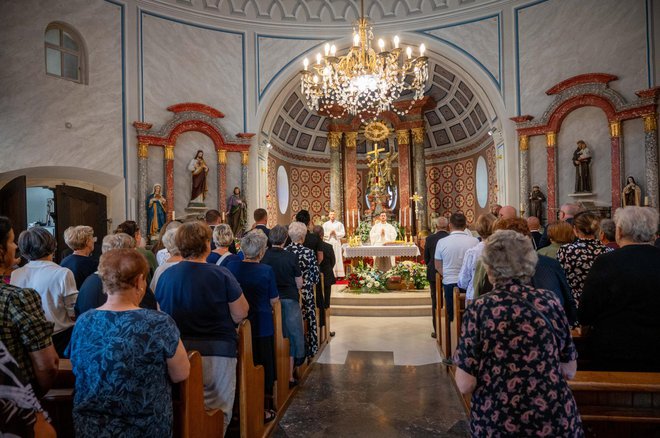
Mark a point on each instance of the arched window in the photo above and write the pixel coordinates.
(65, 53)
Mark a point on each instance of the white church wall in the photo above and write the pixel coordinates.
(35, 108)
(187, 63)
(588, 124)
(633, 152)
(563, 38)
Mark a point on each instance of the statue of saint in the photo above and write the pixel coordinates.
(581, 161)
(237, 208)
(388, 173)
(536, 200)
(156, 211)
(199, 169)
(632, 193)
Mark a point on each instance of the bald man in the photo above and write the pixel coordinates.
(442, 230)
(565, 214)
(507, 212)
(534, 225)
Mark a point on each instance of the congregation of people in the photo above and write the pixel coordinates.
(127, 320)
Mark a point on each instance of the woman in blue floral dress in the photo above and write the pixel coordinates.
(516, 352)
(310, 274)
(124, 358)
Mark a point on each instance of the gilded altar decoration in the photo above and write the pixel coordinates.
(376, 131)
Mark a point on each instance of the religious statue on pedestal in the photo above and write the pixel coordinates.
(156, 211)
(536, 200)
(581, 161)
(632, 193)
(237, 208)
(199, 169)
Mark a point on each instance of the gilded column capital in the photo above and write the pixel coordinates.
(551, 139)
(222, 156)
(615, 128)
(418, 135)
(334, 138)
(523, 142)
(143, 150)
(245, 157)
(402, 136)
(650, 122)
(351, 139)
(169, 152)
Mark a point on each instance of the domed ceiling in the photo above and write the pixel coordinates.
(458, 120)
(325, 12)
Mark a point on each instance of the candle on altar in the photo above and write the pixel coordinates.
(409, 217)
(173, 215)
(646, 201)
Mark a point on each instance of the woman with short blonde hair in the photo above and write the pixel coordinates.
(223, 237)
(81, 240)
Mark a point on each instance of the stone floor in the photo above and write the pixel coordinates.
(366, 384)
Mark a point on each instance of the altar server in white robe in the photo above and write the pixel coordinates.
(333, 231)
(380, 234)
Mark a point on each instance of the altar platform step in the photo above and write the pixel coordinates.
(400, 303)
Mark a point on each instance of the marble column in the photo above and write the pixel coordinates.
(245, 160)
(523, 148)
(168, 174)
(334, 140)
(551, 150)
(615, 142)
(222, 181)
(420, 180)
(350, 195)
(143, 177)
(403, 143)
(651, 155)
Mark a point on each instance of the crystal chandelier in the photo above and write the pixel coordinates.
(363, 82)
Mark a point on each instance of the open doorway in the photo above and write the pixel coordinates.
(40, 208)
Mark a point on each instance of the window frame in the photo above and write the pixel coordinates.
(81, 53)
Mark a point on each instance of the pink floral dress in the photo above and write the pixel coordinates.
(507, 344)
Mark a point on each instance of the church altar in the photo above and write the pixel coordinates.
(381, 251)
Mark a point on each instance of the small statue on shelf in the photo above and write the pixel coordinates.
(536, 200)
(581, 161)
(632, 193)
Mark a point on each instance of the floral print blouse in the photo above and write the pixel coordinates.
(577, 258)
(508, 346)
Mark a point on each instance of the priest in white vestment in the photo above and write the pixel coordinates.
(380, 234)
(333, 231)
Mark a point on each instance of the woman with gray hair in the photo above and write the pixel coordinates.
(223, 237)
(620, 298)
(91, 294)
(55, 285)
(81, 241)
(260, 289)
(516, 352)
(173, 259)
(310, 274)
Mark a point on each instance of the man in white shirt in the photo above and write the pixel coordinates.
(333, 231)
(449, 255)
(380, 234)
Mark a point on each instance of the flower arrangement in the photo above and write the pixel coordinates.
(411, 272)
(366, 279)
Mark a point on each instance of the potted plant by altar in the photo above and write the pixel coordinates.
(410, 275)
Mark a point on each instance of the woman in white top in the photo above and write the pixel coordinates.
(56, 285)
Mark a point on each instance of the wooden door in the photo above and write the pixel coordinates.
(13, 203)
(76, 206)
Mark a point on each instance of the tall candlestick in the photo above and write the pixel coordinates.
(410, 218)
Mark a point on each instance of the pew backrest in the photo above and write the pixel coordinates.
(195, 421)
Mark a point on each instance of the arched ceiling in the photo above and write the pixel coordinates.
(458, 119)
(325, 12)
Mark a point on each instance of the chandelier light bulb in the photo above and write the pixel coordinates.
(422, 49)
(316, 79)
(396, 41)
(318, 58)
(409, 52)
(356, 39)
(333, 50)
(327, 49)
(381, 44)
(305, 63)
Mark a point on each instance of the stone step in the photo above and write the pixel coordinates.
(343, 310)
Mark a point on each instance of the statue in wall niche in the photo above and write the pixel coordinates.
(198, 169)
(536, 200)
(237, 208)
(581, 161)
(156, 210)
(632, 193)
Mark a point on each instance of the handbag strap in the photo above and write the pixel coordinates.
(224, 256)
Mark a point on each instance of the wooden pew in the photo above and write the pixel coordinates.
(618, 404)
(192, 418)
(58, 402)
(281, 390)
(459, 309)
(250, 386)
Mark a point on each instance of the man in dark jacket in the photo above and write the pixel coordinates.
(442, 230)
(327, 269)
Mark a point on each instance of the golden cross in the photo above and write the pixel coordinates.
(376, 151)
(416, 199)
